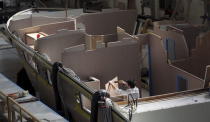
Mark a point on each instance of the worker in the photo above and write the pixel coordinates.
(128, 87)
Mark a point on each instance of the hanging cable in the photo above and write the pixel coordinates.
(55, 69)
(133, 103)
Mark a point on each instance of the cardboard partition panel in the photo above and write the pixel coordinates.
(33, 21)
(41, 20)
(181, 49)
(47, 28)
(54, 45)
(105, 63)
(106, 22)
(93, 40)
(163, 76)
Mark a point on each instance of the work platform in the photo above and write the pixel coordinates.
(26, 109)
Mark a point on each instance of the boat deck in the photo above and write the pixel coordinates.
(194, 105)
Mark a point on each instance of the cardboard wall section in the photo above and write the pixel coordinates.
(163, 74)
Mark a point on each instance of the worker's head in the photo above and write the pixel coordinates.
(124, 85)
(131, 83)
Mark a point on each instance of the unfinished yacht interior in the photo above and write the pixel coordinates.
(115, 64)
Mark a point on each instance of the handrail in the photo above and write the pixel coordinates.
(23, 113)
(10, 102)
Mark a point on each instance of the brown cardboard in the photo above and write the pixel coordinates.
(163, 74)
(104, 23)
(33, 21)
(120, 60)
(47, 28)
(93, 40)
(54, 45)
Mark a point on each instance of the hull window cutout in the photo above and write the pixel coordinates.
(85, 103)
(181, 84)
(30, 60)
(170, 48)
